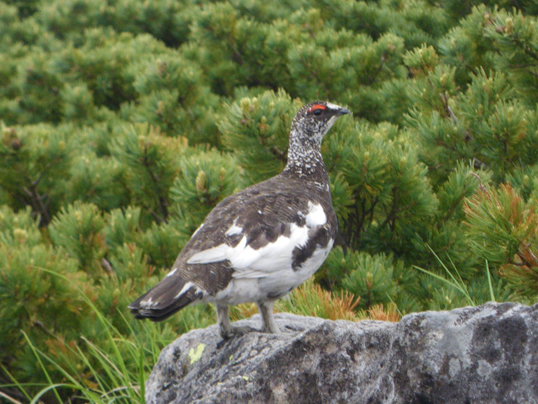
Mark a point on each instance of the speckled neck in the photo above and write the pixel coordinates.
(304, 157)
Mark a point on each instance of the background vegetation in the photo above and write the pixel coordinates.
(122, 123)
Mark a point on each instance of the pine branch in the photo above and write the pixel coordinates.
(37, 203)
(42, 327)
(391, 217)
(163, 204)
(106, 266)
(282, 156)
(372, 79)
(450, 211)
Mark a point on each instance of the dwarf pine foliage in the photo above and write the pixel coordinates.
(123, 123)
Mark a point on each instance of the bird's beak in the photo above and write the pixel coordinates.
(343, 111)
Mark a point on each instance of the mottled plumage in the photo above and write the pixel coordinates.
(261, 243)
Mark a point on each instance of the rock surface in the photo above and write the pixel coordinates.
(486, 354)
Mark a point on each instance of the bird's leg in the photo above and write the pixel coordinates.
(223, 319)
(266, 310)
(226, 329)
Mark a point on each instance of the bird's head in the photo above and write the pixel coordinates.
(316, 118)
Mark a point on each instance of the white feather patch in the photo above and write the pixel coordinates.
(197, 230)
(332, 106)
(256, 263)
(234, 229)
(172, 272)
(186, 287)
(315, 216)
(248, 285)
(271, 258)
(148, 303)
(215, 254)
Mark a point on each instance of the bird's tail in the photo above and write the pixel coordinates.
(167, 297)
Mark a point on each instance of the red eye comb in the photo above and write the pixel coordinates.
(315, 107)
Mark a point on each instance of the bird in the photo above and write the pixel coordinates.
(259, 244)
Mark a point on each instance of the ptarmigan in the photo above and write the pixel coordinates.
(258, 244)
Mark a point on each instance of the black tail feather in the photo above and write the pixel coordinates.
(164, 299)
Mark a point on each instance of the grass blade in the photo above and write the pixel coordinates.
(490, 283)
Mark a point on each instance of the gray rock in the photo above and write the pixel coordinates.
(486, 354)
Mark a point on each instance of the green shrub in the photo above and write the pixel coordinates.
(123, 123)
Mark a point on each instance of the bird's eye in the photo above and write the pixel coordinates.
(317, 112)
